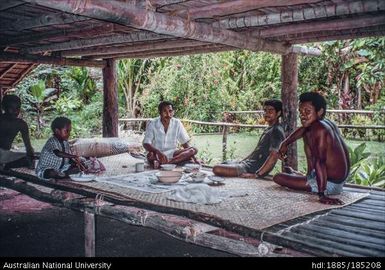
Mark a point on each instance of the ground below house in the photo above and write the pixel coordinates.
(31, 228)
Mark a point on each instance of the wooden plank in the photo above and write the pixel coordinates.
(238, 6)
(333, 247)
(360, 215)
(342, 236)
(40, 59)
(117, 12)
(110, 100)
(367, 210)
(210, 47)
(373, 206)
(4, 5)
(335, 25)
(356, 222)
(301, 38)
(100, 41)
(302, 14)
(45, 20)
(349, 228)
(9, 68)
(133, 48)
(83, 32)
(23, 74)
(289, 97)
(89, 234)
(370, 248)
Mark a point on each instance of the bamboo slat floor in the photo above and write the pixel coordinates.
(354, 230)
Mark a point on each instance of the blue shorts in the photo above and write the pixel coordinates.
(331, 187)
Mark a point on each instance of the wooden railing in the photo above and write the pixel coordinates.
(225, 126)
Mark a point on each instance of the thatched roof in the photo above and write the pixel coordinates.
(80, 32)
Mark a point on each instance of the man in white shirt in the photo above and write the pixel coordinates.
(162, 137)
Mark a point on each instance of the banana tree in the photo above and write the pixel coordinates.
(131, 75)
(39, 101)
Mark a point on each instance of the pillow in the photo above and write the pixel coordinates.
(100, 147)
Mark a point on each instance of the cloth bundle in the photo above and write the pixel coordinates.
(93, 165)
(100, 147)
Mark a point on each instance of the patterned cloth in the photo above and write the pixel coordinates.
(48, 160)
(166, 142)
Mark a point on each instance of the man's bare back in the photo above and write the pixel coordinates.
(322, 136)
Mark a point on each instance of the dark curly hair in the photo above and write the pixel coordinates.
(60, 122)
(316, 99)
(275, 103)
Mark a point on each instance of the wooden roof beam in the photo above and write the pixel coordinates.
(305, 14)
(239, 6)
(93, 42)
(8, 69)
(161, 45)
(41, 59)
(337, 24)
(168, 53)
(335, 35)
(45, 20)
(89, 31)
(130, 15)
(4, 5)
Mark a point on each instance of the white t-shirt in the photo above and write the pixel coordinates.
(166, 142)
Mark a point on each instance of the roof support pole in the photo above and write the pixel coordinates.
(110, 101)
(289, 77)
(1, 99)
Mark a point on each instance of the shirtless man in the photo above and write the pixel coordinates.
(162, 135)
(10, 126)
(326, 153)
(265, 155)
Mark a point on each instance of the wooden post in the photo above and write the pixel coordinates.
(110, 103)
(289, 76)
(224, 143)
(1, 99)
(89, 234)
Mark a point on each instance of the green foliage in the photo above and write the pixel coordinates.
(85, 86)
(357, 155)
(64, 104)
(371, 173)
(205, 154)
(364, 171)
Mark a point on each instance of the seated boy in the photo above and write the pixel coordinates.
(10, 126)
(263, 159)
(56, 160)
(326, 153)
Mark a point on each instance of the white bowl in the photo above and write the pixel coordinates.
(168, 167)
(169, 177)
(80, 177)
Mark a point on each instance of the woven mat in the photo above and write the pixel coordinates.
(266, 204)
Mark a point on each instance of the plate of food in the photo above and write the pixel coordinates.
(82, 177)
(191, 167)
(216, 180)
(197, 177)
